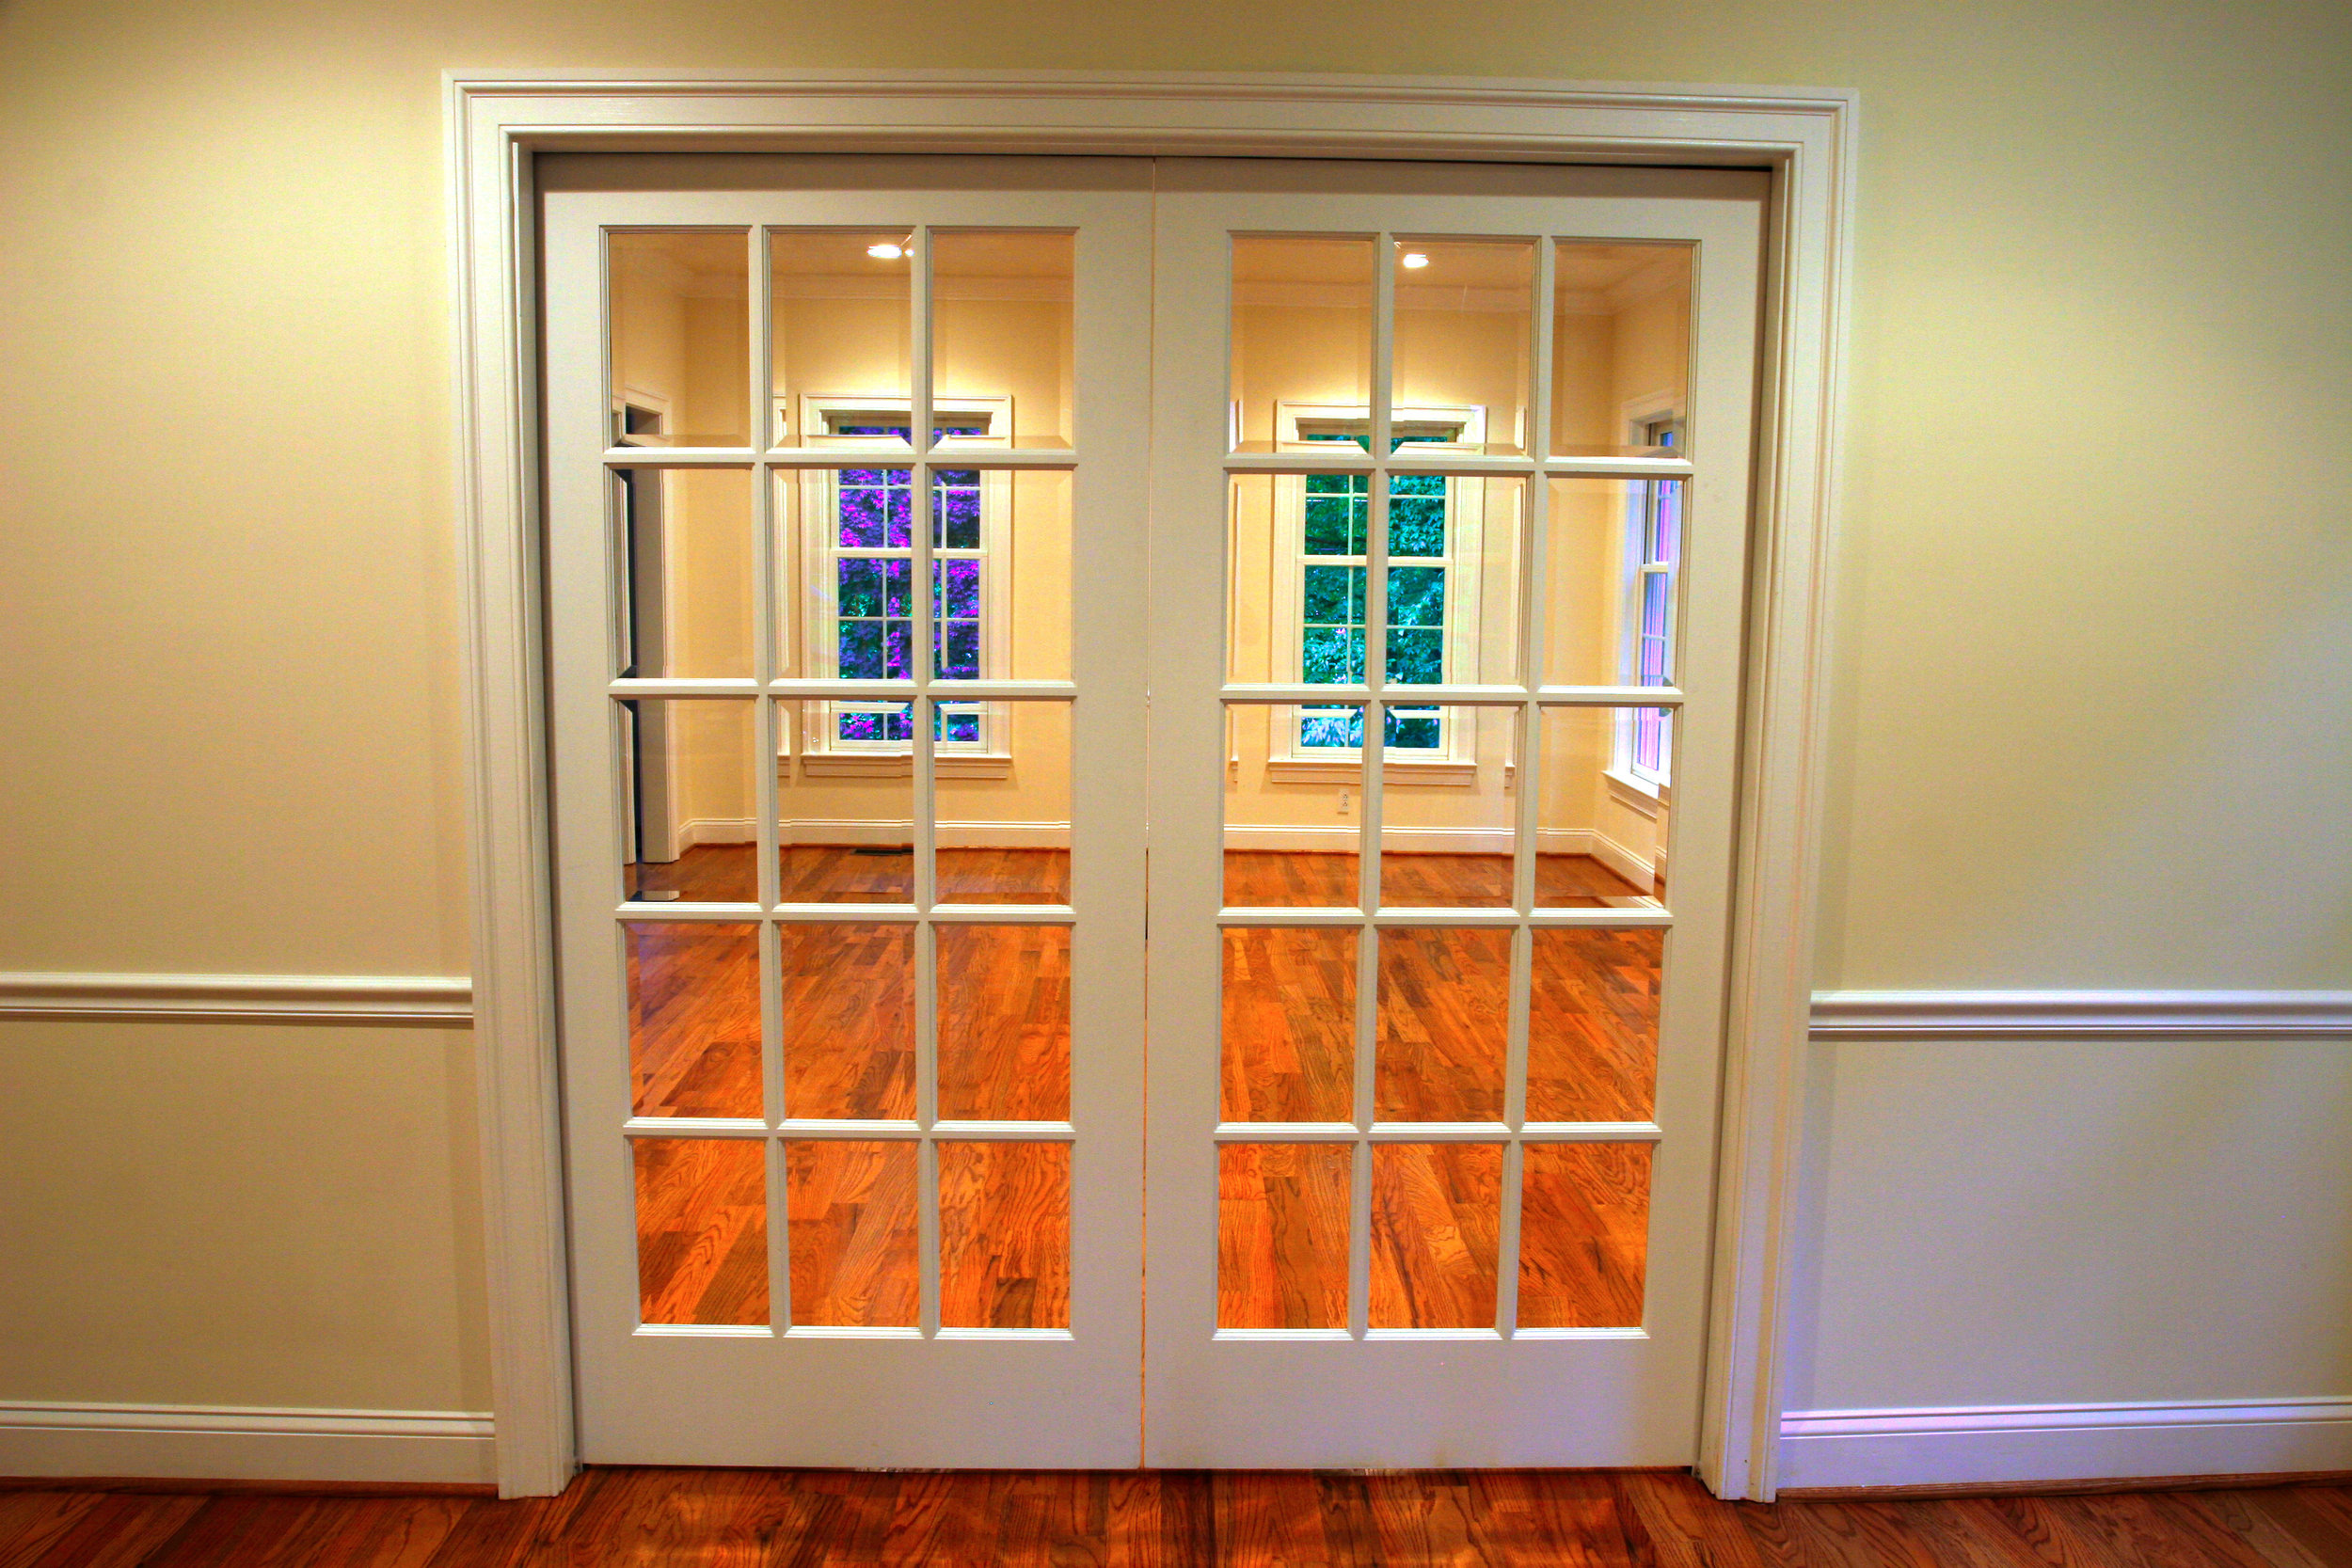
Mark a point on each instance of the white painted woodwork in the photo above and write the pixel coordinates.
(497, 126)
(922, 1396)
(1402, 1397)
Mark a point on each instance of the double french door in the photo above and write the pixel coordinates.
(950, 563)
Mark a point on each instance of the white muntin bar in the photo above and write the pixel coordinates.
(694, 1126)
(761, 381)
(901, 691)
(1534, 583)
(1419, 696)
(892, 454)
(1617, 468)
(779, 1236)
(743, 913)
(920, 523)
(1507, 1239)
(682, 457)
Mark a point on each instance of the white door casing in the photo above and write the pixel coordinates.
(501, 125)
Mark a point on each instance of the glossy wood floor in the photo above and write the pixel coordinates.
(847, 994)
(1569, 1519)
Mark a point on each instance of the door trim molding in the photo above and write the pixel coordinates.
(497, 123)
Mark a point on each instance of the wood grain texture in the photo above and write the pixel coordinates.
(1281, 1241)
(702, 1230)
(1288, 1005)
(852, 1205)
(1004, 1235)
(1583, 1235)
(1435, 1211)
(847, 993)
(655, 1518)
(693, 1019)
(1443, 1024)
(1004, 1022)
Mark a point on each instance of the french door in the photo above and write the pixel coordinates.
(1435, 1034)
(849, 845)
(863, 721)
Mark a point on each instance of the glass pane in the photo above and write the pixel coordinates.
(1447, 830)
(1302, 333)
(852, 1212)
(845, 802)
(1444, 1017)
(1583, 1235)
(1435, 1211)
(1609, 606)
(1001, 326)
(1293, 827)
(1620, 344)
(693, 1019)
(1289, 1024)
(702, 1230)
(1281, 1243)
(841, 322)
(683, 539)
(1592, 1032)
(1453, 580)
(681, 337)
(1602, 839)
(1003, 796)
(849, 1021)
(688, 825)
(1038, 531)
(1004, 1022)
(1465, 310)
(1004, 1235)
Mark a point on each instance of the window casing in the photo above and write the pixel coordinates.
(1436, 538)
(1644, 737)
(857, 546)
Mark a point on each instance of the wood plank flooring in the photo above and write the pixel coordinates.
(847, 994)
(655, 1518)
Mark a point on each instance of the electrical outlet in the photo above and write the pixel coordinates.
(1348, 802)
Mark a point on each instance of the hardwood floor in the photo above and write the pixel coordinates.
(847, 994)
(1576, 1519)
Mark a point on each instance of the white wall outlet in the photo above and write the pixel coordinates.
(1348, 802)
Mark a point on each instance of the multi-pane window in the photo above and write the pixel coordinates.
(1334, 530)
(870, 530)
(1648, 749)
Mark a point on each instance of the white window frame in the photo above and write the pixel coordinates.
(1454, 759)
(823, 753)
(1628, 779)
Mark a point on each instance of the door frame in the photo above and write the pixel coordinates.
(495, 126)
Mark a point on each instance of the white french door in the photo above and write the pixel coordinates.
(1435, 1034)
(863, 723)
(854, 1044)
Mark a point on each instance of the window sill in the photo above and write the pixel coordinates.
(899, 765)
(1638, 795)
(1315, 770)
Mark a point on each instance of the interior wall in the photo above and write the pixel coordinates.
(2090, 663)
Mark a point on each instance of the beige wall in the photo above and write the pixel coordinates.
(2092, 704)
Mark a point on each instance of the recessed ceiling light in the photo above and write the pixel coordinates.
(888, 250)
(1413, 260)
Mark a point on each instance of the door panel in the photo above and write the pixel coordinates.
(854, 470)
(1434, 1077)
(854, 1074)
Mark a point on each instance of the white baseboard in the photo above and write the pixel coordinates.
(242, 1443)
(1998, 1445)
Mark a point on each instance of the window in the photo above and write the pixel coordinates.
(1323, 529)
(1644, 747)
(858, 530)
